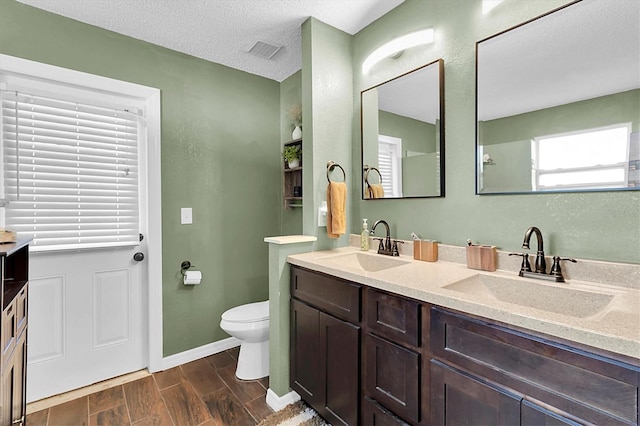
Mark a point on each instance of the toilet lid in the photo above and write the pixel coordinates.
(250, 312)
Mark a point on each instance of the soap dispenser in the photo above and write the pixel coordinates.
(364, 236)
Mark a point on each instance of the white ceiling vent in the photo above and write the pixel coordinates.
(264, 50)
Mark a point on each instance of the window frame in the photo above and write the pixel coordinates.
(537, 172)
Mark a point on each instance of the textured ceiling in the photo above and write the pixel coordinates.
(222, 31)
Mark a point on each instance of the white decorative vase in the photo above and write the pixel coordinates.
(294, 163)
(297, 133)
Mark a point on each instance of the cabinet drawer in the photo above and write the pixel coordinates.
(392, 377)
(590, 387)
(22, 300)
(8, 330)
(375, 414)
(332, 295)
(393, 317)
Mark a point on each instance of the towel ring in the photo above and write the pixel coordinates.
(366, 174)
(330, 166)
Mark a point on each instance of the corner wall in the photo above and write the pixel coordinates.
(328, 117)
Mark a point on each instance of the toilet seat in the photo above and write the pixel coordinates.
(251, 312)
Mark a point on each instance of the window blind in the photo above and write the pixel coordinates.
(70, 172)
(385, 165)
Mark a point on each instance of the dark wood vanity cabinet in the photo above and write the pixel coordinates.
(14, 265)
(325, 344)
(408, 362)
(501, 375)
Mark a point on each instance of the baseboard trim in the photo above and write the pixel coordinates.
(277, 403)
(199, 352)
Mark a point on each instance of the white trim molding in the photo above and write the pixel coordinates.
(199, 352)
(277, 403)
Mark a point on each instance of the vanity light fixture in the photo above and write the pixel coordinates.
(397, 45)
(488, 5)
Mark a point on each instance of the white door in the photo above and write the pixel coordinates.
(71, 164)
(87, 316)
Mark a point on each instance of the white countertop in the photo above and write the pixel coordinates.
(615, 329)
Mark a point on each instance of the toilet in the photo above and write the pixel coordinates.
(250, 324)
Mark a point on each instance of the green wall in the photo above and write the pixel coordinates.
(416, 135)
(220, 155)
(604, 111)
(602, 225)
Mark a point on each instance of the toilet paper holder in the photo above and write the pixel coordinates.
(184, 266)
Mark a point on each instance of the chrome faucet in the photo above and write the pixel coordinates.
(540, 265)
(385, 246)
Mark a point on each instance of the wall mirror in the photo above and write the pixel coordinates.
(558, 102)
(403, 135)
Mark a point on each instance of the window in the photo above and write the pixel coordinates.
(70, 168)
(589, 159)
(390, 165)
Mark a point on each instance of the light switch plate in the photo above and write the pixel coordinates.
(322, 214)
(186, 216)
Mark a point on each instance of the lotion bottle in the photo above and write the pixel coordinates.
(364, 236)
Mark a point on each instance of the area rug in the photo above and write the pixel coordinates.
(296, 414)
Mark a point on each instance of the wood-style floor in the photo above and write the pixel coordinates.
(204, 392)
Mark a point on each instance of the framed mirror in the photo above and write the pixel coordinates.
(403, 135)
(558, 102)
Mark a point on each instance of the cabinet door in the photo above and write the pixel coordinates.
(22, 304)
(305, 376)
(534, 415)
(375, 414)
(458, 398)
(8, 332)
(8, 382)
(340, 348)
(18, 396)
(392, 377)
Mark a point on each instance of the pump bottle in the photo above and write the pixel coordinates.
(364, 236)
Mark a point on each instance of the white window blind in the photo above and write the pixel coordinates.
(390, 164)
(70, 171)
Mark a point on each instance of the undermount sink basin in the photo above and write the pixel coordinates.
(368, 262)
(560, 298)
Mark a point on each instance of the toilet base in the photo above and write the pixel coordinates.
(253, 361)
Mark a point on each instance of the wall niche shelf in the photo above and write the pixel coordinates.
(292, 179)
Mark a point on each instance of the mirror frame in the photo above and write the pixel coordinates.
(477, 129)
(440, 63)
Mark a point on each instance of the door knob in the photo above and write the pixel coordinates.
(138, 256)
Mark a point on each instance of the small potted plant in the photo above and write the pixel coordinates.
(292, 154)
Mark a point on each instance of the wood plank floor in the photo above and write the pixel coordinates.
(203, 392)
